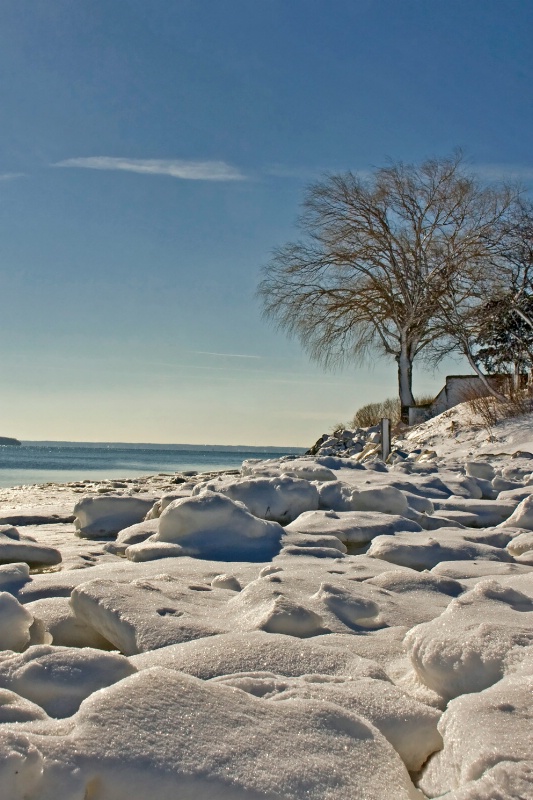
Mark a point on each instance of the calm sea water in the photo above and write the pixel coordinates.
(61, 462)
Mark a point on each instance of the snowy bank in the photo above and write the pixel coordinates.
(328, 627)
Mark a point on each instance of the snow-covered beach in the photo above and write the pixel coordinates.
(318, 627)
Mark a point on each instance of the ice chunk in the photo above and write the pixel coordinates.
(21, 764)
(147, 614)
(13, 576)
(15, 623)
(480, 469)
(487, 512)
(508, 780)
(293, 539)
(158, 507)
(14, 708)
(354, 527)
(468, 570)
(150, 550)
(410, 726)
(229, 653)
(521, 543)
(341, 496)
(133, 534)
(522, 517)
(105, 515)
(15, 547)
(308, 470)
(352, 608)
(422, 551)
(225, 581)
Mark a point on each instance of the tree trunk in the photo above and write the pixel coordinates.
(490, 389)
(523, 316)
(405, 382)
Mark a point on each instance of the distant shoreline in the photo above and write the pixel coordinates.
(243, 448)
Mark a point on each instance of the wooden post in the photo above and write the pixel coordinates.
(385, 438)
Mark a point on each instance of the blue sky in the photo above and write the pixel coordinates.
(152, 155)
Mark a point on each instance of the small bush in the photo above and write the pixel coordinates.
(488, 410)
(425, 399)
(372, 413)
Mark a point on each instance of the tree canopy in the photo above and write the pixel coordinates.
(376, 254)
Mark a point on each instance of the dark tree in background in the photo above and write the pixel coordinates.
(505, 339)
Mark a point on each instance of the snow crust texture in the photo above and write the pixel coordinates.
(324, 627)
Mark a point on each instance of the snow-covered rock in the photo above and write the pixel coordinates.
(254, 651)
(280, 499)
(147, 614)
(410, 726)
(480, 469)
(133, 534)
(14, 708)
(341, 496)
(212, 525)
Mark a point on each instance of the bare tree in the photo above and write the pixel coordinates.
(376, 253)
(496, 283)
(516, 278)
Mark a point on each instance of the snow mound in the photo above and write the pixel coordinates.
(58, 678)
(254, 651)
(481, 731)
(193, 756)
(469, 646)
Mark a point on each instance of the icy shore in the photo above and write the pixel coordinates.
(319, 627)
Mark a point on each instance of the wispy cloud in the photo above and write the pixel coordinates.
(11, 176)
(173, 168)
(223, 355)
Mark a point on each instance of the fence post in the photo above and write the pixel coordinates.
(385, 438)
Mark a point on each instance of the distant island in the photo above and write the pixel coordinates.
(8, 441)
